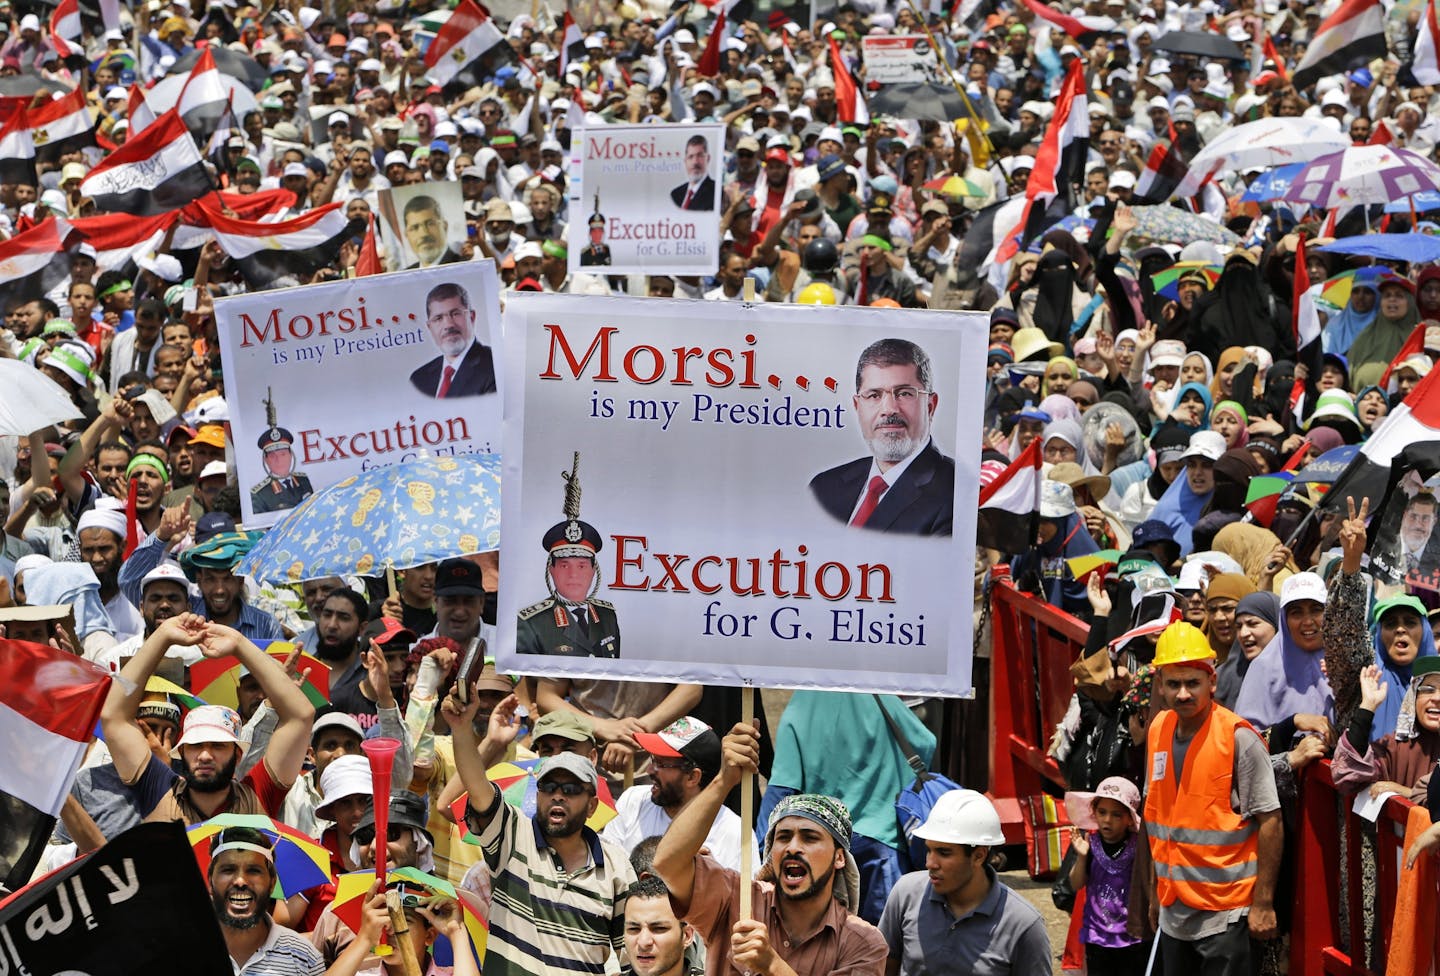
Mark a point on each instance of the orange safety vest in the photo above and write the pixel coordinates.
(1206, 855)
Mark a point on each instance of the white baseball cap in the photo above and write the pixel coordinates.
(165, 571)
(1205, 443)
(1303, 586)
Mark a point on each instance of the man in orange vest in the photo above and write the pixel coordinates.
(1212, 818)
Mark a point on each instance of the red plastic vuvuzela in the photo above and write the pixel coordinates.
(381, 753)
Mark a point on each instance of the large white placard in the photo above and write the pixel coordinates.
(899, 58)
(328, 380)
(647, 200)
(721, 460)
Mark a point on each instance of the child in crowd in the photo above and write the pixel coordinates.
(1105, 859)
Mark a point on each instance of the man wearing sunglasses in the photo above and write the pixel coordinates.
(559, 889)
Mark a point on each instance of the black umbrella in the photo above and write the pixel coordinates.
(28, 84)
(1200, 44)
(924, 100)
(239, 66)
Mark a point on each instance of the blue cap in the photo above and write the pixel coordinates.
(1362, 76)
(440, 145)
(127, 77)
(505, 71)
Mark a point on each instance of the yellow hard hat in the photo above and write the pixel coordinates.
(816, 293)
(1183, 643)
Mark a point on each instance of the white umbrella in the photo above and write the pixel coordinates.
(1264, 143)
(32, 400)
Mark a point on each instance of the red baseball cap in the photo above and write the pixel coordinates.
(777, 155)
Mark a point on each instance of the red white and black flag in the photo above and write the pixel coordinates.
(47, 132)
(204, 101)
(1086, 30)
(50, 701)
(1060, 161)
(849, 102)
(65, 32)
(1426, 66)
(572, 43)
(468, 39)
(158, 171)
(1010, 505)
(33, 263)
(267, 252)
(17, 151)
(1354, 35)
(1414, 422)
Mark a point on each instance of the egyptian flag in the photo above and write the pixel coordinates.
(119, 238)
(1415, 421)
(50, 701)
(139, 112)
(1426, 66)
(267, 251)
(369, 261)
(1414, 346)
(33, 262)
(572, 43)
(1060, 163)
(993, 237)
(17, 151)
(1381, 136)
(1354, 35)
(1305, 321)
(1010, 505)
(59, 126)
(849, 102)
(1086, 30)
(1165, 170)
(708, 64)
(467, 38)
(65, 29)
(1412, 466)
(204, 100)
(158, 171)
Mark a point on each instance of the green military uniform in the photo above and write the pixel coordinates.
(278, 494)
(550, 627)
(588, 628)
(597, 252)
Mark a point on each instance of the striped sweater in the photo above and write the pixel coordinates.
(544, 919)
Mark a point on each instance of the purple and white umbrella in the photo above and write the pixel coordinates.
(1363, 175)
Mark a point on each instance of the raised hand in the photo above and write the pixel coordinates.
(1352, 535)
(1373, 691)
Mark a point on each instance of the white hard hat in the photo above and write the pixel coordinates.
(963, 817)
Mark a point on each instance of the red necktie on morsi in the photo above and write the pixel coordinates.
(445, 379)
(873, 492)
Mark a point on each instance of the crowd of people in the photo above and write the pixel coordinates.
(1235, 636)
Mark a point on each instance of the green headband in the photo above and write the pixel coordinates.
(60, 326)
(119, 286)
(503, 141)
(1234, 408)
(64, 358)
(31, 347)
(147, 461)
(870, 240)
(555, 250)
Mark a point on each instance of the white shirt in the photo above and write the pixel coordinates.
(638, 817)
(127, 620)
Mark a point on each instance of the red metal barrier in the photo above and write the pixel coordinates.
(1034, 645)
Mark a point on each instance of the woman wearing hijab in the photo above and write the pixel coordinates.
(1233, 471)
(1371, 407)
(1240, 311)
(1427, 293)
(1402, 761)
(1230, 421)
(1190, 410)
(1222, 385)
(1060, 407)
(1287, 679)
(1059, 300)
(1373, 349)
(1168, 446)
(1195, 368)
(1357, 315)
(1184, 501)
(1062, 538)
(1063, 440)
(1059, 373)
(1252, 547)
(1257, 618)
(1222, 602)
(1401, 636)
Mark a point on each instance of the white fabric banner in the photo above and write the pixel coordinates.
(724, 461)
(333, 379)
(647, 199)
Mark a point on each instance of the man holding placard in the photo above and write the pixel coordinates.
(906, 485)
(802, 896)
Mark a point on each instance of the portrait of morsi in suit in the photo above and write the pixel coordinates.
(905, 484)
(465, 366)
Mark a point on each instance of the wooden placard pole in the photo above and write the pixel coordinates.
(400, 930)
(747, 812)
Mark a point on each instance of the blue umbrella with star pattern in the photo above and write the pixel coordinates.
(394, 517)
